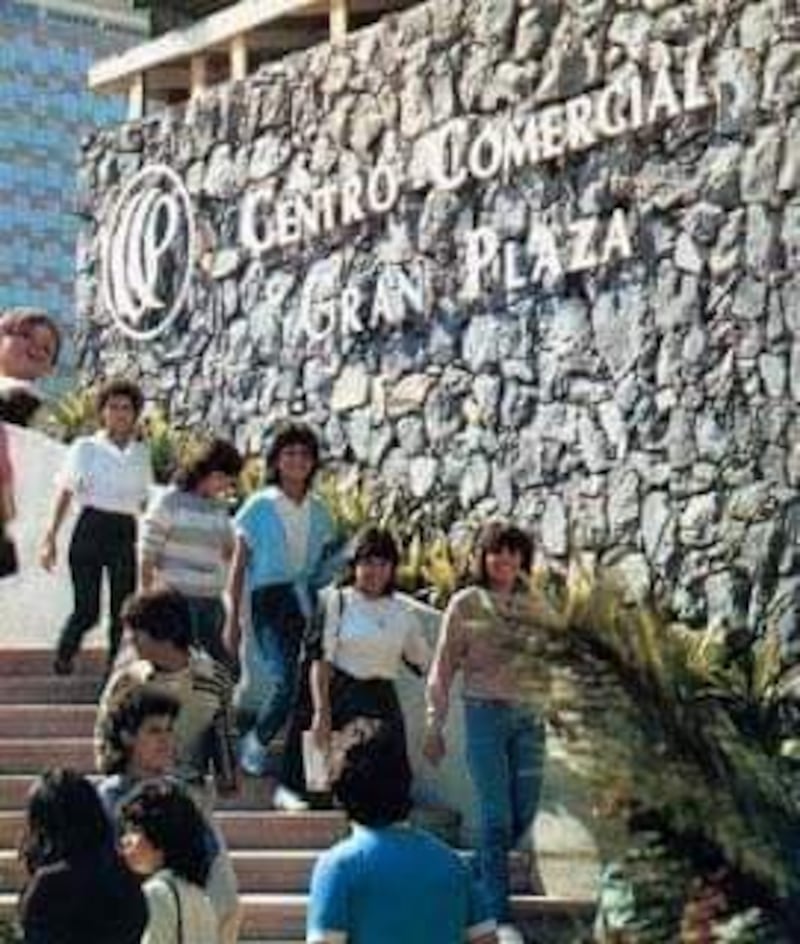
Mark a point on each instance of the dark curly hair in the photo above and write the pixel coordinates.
(217, 455)
(497, 536)
(370, 772)
(172, 823)
(120, 387)
(373, 541)
(292, 434)
(64, 819)
(162, 614)
(124, 720)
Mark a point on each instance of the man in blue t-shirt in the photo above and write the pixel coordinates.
(388, 882)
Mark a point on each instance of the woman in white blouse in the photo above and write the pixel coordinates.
(108, 475)
(164, 840)
(365, 635)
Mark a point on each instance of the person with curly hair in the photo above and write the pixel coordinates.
(505, 739)
(163, 839)
(140, 730)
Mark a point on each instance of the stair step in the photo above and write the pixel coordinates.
(270, 916)
(243, 828)
(257, 870)
(249, 829)
(281, 918)
(22, 662)
(50, 689)
(14, 789)
(37, 721)
(26, 755)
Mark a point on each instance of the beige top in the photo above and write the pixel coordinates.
(204, 727)
(474, 627)
(198, 923)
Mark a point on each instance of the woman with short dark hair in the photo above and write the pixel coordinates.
(505, 740)
(79, 892)
(286, 548)
(186, 539)
(108, 475)
(164, 840)
(364, 635)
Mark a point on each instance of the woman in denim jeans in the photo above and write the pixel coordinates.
(504, 739)
(286, 545)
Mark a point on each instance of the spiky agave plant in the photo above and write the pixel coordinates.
(680, 743)
(70, 416)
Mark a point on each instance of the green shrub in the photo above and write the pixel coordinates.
(679, 735)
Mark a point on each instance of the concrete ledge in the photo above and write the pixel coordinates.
(216, 30)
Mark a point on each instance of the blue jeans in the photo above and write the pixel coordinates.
(278, 625)
(505, 754)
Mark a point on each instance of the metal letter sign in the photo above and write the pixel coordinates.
(148, 253)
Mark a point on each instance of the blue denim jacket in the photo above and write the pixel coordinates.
(260, 524)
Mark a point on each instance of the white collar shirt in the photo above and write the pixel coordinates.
(104, 476)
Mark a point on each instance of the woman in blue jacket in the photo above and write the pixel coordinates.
(286, 547)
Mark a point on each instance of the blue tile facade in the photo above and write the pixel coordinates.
(45, 107)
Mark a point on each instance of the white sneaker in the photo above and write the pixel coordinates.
(508, 934)
(287, 800)
(252, 755)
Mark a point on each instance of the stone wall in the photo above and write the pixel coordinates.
(635, 396)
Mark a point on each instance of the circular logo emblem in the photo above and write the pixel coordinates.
(148, 251)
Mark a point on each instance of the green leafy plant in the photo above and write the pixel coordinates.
(679, 734)
(169, 445)
(71, 416)
(75, 415)
(432, 563)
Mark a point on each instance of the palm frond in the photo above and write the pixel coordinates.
(661, 720)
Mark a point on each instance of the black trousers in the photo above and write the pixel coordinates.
(102, 541)
(350, 698)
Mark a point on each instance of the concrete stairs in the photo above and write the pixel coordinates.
(47, 721)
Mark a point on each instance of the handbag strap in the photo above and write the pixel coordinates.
(177, 896)
(340, 601)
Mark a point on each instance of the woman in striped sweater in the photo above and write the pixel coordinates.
(187, 540)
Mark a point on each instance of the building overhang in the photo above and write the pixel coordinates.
(227, 46)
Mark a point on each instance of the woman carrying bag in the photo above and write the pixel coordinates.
(355, 651)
